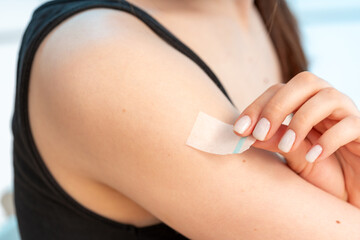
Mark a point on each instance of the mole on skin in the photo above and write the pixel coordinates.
(243, 160)
(337, 221)
(124, 110)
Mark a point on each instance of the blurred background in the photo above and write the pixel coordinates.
(330, 32)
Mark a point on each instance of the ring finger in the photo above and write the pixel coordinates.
(311, 113)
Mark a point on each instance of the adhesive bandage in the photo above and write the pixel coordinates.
(214, 136)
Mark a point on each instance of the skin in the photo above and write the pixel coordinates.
(322, 116)
(110, 113)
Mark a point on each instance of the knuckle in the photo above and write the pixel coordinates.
(253, 109)
(299, 121)
(331, 93)
(311, 79)
(337, 98)
(276, 86)
(273, 109)
(306, 77)
(354, 120)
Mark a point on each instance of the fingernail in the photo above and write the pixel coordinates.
(314, 153)
(261, 129)
(242, 124)
(287, 141)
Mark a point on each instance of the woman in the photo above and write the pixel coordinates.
(107, 96)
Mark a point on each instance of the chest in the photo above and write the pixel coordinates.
(243, 58)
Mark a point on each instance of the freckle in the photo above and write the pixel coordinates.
(338, 222)
(124, 110)
(243, 160)
(255, 229)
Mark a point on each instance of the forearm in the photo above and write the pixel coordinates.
(259, 198)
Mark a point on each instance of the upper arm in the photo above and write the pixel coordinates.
(125, 106)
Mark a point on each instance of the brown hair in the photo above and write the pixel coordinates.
(283, 29)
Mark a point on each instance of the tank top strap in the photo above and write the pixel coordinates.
(151, 22)
(174, 41)
(37, 193)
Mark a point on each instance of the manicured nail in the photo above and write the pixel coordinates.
(243, 124)
(287, 141)
(261, 129)
(314, 153)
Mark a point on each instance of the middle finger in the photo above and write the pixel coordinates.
(289, 98)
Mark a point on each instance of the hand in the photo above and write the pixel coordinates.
(322, 141)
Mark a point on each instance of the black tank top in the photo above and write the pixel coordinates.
(44, 210)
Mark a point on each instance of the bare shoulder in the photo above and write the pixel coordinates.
(93, 37)
(103, 46)
(103, 69)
